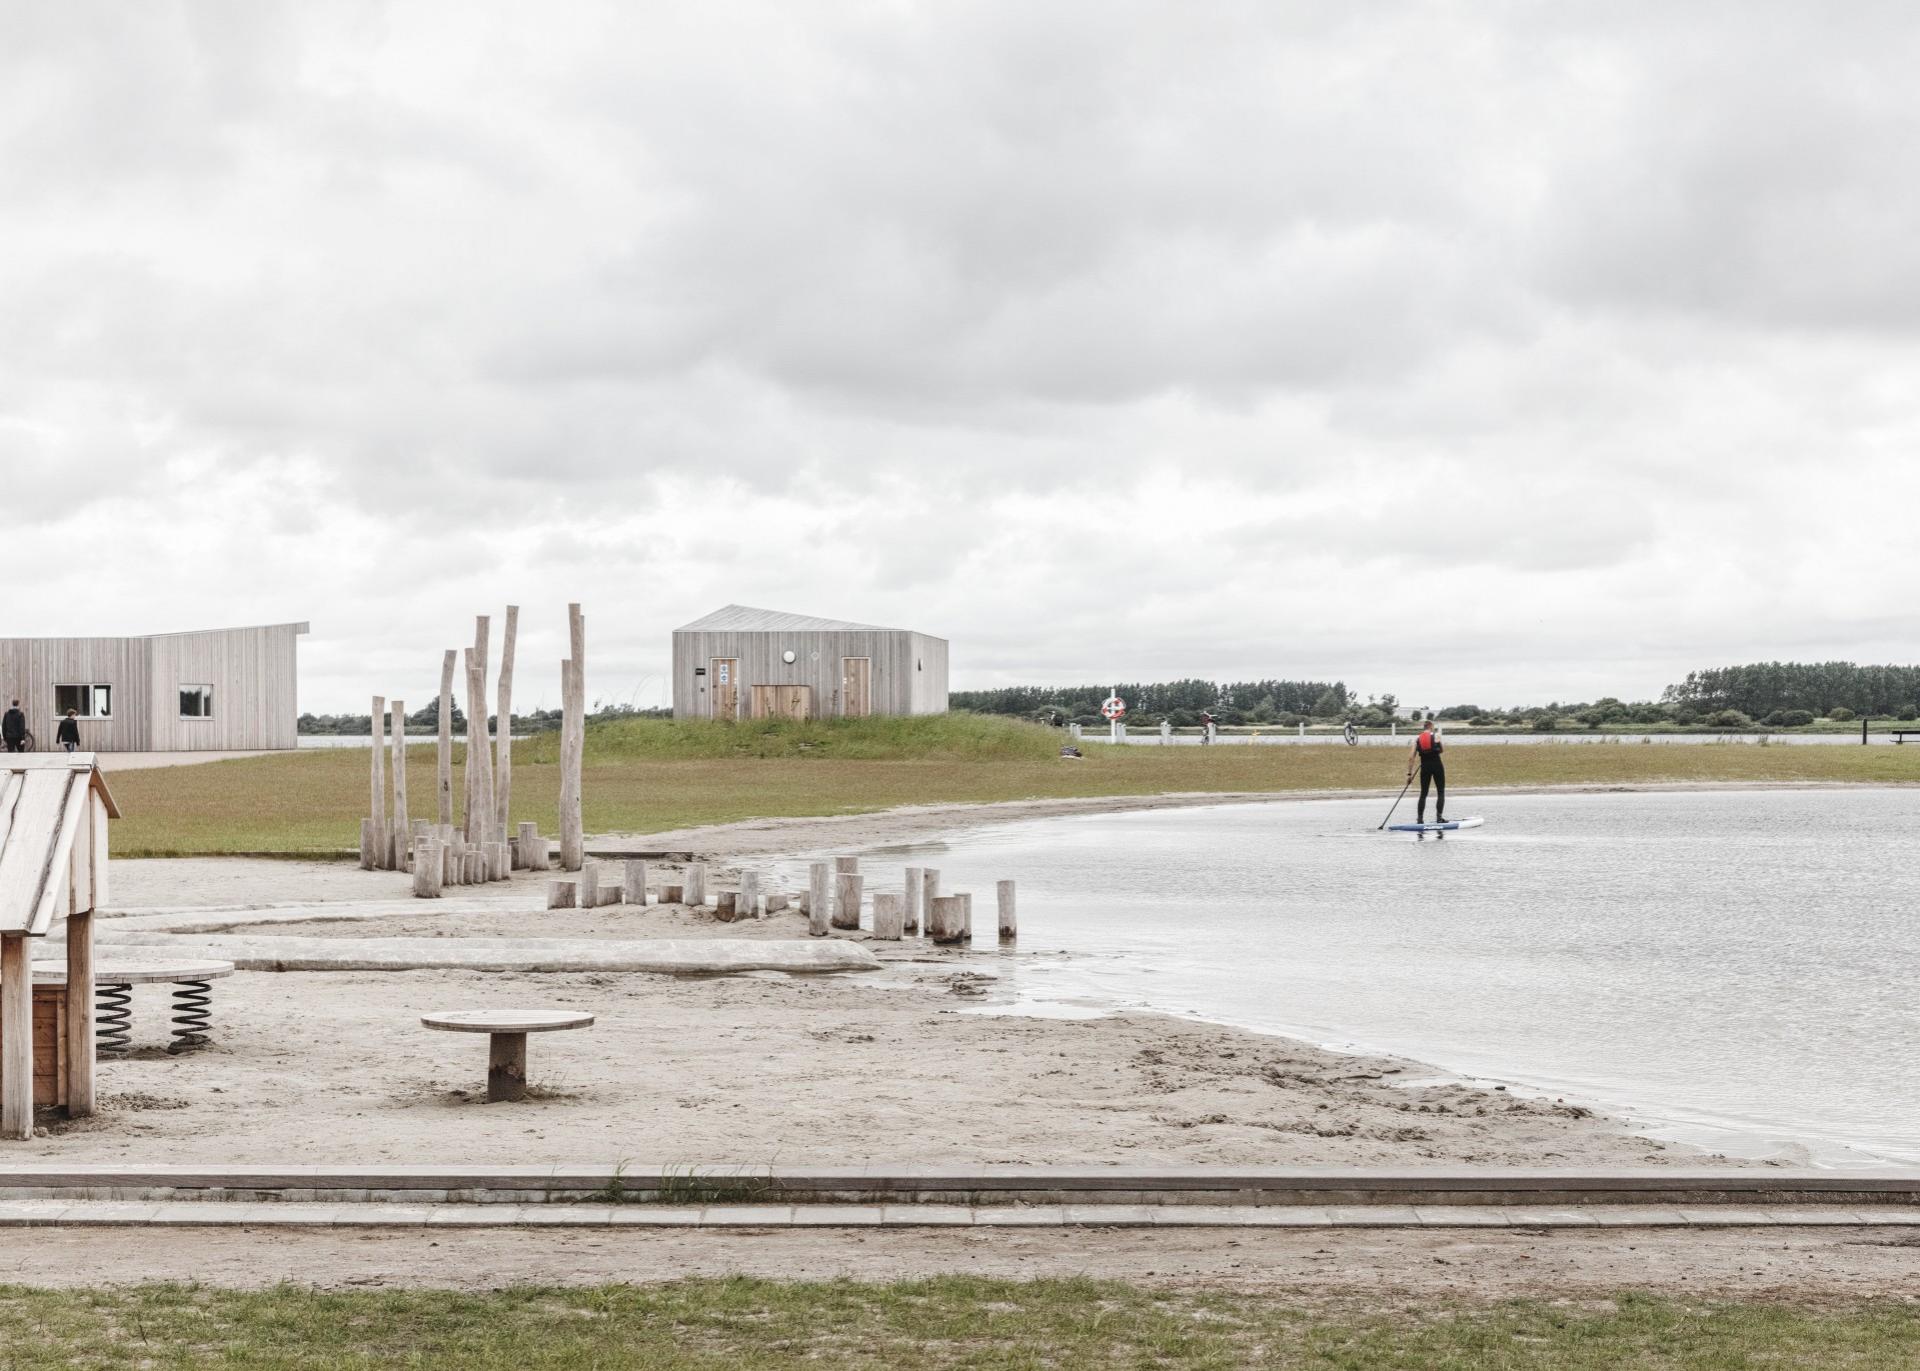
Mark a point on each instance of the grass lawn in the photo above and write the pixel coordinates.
(646, 776)
(747, 1325)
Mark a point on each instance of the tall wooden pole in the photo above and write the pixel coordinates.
(482, 759)
(16, 1038)
(503, 728)
(573, 742)
(379, 749)
(445, 754)
(400, 824)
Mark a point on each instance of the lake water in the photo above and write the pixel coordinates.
(1740, 969)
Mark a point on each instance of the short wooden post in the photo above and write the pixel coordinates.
(1009, 923)
(80, 1046)
(589, 886)
(379, 727)
(443, 744)
(846, 866)
(634, 880)
(929, 889)
(402, 825)
(910, 903)
(673, 894)
(16, 1038)
(527, 847)
(846, 900)
(366, 845)
(778, 904)
(888, 916)
(476, 866)
(506, 1067)
(562, 894)
(966, 913)
(502, 860)
(944, 923)
(724, 902)
(429, 870)
(818, 905)
(749, 905)
(696, 883)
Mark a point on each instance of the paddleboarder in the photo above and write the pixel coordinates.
(1433, 772)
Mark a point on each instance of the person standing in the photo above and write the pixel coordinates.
(69, 736)
(13, 729)
(1433, 772)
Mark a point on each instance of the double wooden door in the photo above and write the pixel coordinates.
(782, 702)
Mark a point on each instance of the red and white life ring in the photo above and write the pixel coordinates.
(1114, 707)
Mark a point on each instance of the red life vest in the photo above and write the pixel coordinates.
(1427, 743)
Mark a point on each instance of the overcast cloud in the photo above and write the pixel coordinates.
(1470, 351)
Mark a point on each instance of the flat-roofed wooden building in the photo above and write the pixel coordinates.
(745, 663)
(225, 690)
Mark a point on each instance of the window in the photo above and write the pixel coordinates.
(196, 702)
(89, 701)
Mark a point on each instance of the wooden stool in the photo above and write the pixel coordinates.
(507, 1047)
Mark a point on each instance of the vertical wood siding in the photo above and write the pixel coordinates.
(898, 688)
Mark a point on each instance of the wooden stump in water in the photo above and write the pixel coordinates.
(929, 891)
(910, 901)
(817, 902)
(966, 914)
(946, 922)
(847, 895)
(1009, 923)
(888, 916)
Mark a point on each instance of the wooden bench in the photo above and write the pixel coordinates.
(507, 1040)
(1900, 735)
(113, 997)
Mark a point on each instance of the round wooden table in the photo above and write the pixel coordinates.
(113, 1000)
(507, 1031)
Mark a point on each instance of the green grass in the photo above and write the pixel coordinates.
(647, 776)
(1068, 1325)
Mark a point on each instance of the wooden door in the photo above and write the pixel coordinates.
(723, 677)
(856, 687)
(782, 702)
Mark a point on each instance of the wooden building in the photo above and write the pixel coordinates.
(53, 870)
(741, 663)
(225, 690)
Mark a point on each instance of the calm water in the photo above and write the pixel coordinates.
(1739, 968)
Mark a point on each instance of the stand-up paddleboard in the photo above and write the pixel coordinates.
(1446, 827)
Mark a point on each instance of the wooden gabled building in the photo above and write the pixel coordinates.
(745, 663)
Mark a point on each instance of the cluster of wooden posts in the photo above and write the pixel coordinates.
(835, 898)
(477, 848)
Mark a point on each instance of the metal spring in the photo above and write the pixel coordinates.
(113, 1020)
(192, 1015)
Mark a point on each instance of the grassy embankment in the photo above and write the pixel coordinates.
(651, 775)
(954, 1322)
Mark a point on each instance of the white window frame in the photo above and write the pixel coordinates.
(206, 690)
(93, 691)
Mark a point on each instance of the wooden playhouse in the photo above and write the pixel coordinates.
(54, 809)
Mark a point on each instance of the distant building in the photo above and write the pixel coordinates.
(226, 690)
(742, 663)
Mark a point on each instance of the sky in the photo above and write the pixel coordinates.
(1480, 352)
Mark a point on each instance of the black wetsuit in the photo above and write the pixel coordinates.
(1433, 772)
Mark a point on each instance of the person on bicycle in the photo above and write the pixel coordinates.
(13, 729)
(69, 734)
(1350, 734)
(1433, 772)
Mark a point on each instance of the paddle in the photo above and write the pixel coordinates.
(1396, 802)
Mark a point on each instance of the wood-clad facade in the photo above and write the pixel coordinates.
(734, 664)
(226, 690)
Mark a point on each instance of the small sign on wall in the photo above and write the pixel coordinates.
(726, 673)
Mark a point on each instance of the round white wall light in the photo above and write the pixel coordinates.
(787, 656)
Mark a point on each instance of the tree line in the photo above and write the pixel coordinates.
(1819, 688)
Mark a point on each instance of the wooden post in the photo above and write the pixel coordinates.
(506, 1066)
(562, 894)
(944, 924)
(929, 890)
(573, 741)
(634, 883)
(366, 845)
(847, 891)
(749, 905)
(818, 904)
(846, 866)
(725, 903)
(696, 883)
(887, 916)
(16, 1037)
(1009, 924)
(80, 1101)
(589, 886)
(429, 870)
(673, 894)
(503, 728)
(379, 781)
(476, 866)
(399, 823)
(443, 754)
(966, 914)
(910, 905)
(527, 852)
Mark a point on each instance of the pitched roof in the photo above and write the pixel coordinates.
(746, 619)
(43, 806)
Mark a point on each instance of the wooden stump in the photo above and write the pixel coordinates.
(696, 883)
(929, 889)
(562, 894)
(476, 864)
(589, 886)
(945, 924)
(817, 902)
(526, 845)
(1009, 923)
(846, 866)
(634, 883)
(888, 916)
(428, 870)
(847, 891)
(910, 903)
(966, 914)
(723, 905)
(749, 903)
(506, 1067)
(778, 904)
(610, 893)
(673, 894)
(366, 844)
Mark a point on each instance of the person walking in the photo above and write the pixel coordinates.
(1433, 772)
(13, 729)
(69, 736)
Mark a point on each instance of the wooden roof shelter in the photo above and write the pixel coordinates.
(54, 810)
